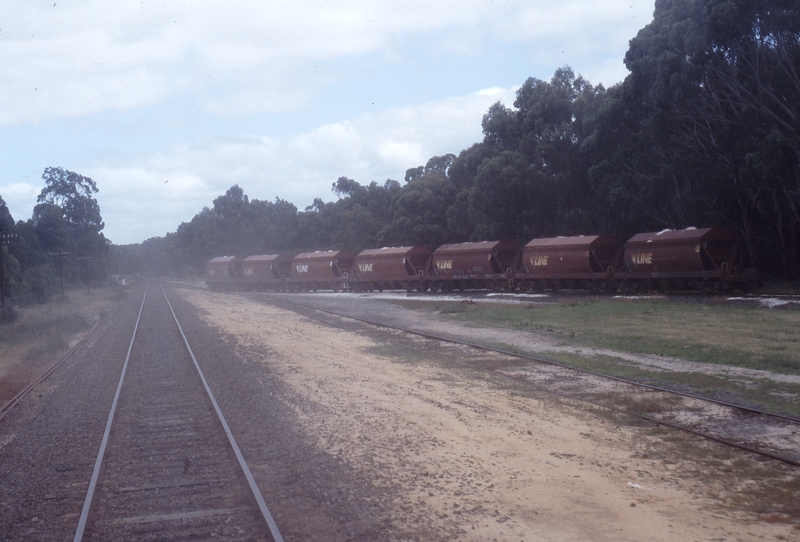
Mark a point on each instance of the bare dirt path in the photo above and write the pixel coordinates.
(459, 458)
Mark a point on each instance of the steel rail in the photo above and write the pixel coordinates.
(18, 397)
(721, 440)
(751, 410)
(87, 503)
(273, 527)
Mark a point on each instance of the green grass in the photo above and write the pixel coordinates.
(780, 397)
(704, 331)
(718, 333)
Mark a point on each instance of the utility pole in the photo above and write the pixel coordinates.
(59, 257)
(4, 240)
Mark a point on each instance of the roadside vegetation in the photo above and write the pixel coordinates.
(705, 331)
(60, 244)
(721, 334)
(43, 332)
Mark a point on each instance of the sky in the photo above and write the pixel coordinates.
(167, 104)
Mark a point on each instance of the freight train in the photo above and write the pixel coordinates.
(706, 259)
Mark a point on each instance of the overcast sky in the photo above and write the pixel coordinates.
(167, 104)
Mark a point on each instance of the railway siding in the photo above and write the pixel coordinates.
(350, 445)
(758, 431)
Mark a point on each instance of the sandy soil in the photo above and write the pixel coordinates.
(457, 452)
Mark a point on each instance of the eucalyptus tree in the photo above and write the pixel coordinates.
(73, 194)
(535, 181)
(717, 86)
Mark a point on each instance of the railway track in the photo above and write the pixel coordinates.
(168, 466)
(764, 433)
(22, 393)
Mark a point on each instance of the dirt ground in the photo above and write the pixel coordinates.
(504, 467)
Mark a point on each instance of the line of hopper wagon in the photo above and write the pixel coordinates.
(698, 259)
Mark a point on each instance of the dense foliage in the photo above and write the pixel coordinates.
(704, 131)
(63, 238)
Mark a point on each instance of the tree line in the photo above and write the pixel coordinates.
(62, 239)
(705, 130)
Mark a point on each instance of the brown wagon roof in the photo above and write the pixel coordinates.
(689, 234)
(392, 251)
(267, 257)
(579, 240)
(482, 246)
(324, 255)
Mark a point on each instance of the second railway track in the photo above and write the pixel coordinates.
(168, 467)
(764, 433)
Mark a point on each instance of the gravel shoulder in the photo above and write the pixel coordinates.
(414, 450)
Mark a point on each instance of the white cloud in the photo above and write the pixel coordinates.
(20, 199)
(138, 203)
(215, 78)
(75, 58)
(150, 195)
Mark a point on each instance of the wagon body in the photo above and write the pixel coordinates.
(681, 251)
(584, 262)
(486, 264)
(694, 258)
(328, 270)
(390, 268)
(267, 271)
(224, 273)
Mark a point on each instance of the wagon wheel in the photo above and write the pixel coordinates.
(708, 288)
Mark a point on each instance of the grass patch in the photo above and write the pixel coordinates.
(42, 333)
(765, 394)
(399, 353)
(696, 330)
(44, 327)
(644, 404)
